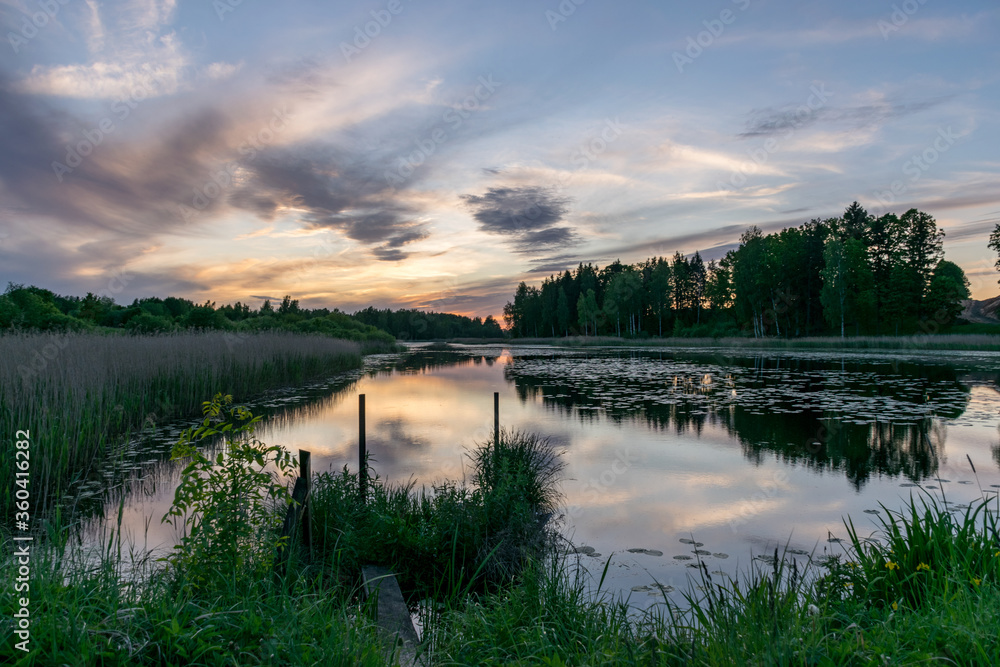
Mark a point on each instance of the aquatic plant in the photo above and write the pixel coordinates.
(77, 394)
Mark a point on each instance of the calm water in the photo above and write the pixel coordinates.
(720, 451)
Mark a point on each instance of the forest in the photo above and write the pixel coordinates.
(36, 308)
(857, 274)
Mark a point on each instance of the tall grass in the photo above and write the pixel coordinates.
(78, 393)
(974, 342)
(118, 609)
(451, 539)
(850, 611)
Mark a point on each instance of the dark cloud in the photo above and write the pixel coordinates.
(185, 172)
(557, 264)
(338, 189)
(784, 120)
(527, 216)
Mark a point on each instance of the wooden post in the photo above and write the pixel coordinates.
(496, 419)
(362, 454)
(305, 472)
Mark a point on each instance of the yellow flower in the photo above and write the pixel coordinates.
(890, 565)
(976, 581)
(895, 606)
(923, 566)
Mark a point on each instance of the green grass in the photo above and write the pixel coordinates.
(86, 612)
(89, 611)
(844, 612)
(502, 594)
(452, 538)
(916, 342)
(78, 394)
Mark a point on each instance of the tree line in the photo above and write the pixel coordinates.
(854, 274)
(413, 324)
(35, 308)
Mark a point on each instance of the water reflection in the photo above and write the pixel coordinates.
(862, 419)
(741, 452)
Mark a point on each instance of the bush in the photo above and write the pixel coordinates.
(228, 501)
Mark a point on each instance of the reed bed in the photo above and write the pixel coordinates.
(918, 342)
(79, 393)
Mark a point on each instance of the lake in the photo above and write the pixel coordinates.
(721, 455)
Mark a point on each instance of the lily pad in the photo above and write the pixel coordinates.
(647, 552)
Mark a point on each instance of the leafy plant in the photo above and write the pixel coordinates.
(226, 500)
(922, 554)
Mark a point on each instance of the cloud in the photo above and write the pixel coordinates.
(332, 188)
(136, 56)
(785, 120)
(136, 185)
(526, 215)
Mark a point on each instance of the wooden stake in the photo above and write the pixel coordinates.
(362, 453)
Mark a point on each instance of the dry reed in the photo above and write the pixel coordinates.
(77, 393)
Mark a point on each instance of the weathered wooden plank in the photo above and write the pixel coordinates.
(391, 612)
(300, 494)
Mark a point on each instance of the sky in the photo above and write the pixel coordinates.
(419, 154)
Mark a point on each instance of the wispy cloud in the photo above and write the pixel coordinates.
(528, 216)
(785, 120)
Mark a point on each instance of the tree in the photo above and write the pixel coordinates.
(921, 249)
(288, 306)
(948, 288)
(834, 295)
(562, 311)
(884, 248)
(588, 310)
(902, 297)
(697, 277)
(660, 295)
(994, 245)
(750, 280)
(719, 286)
(847, 283)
